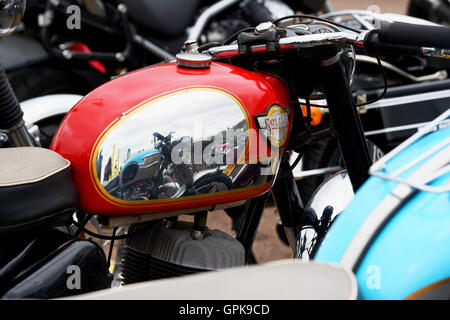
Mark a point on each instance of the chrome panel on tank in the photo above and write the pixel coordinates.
(185, 143)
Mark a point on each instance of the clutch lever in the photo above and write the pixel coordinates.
(265, 34)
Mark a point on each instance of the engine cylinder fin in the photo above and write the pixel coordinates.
(166, 250)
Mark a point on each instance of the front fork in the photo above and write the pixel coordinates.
(353, 146)
(11, 116)
(345, 120)
(288, 202)
(351, 139)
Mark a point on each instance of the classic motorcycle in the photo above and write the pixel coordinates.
(397, 216)
(253, 86)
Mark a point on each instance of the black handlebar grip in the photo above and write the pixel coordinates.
(414, 35)
(373, 45)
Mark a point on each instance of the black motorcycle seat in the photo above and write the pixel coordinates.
(164, 17)
(36, 190)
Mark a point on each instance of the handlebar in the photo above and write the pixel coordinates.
(403, 38)
(288, 43)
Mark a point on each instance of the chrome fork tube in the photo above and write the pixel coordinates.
(20, 137)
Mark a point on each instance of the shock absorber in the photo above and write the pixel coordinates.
(11, 119)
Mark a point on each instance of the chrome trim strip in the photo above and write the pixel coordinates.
(392, 102)
(317, 172)
(401, 128)
(430, 127)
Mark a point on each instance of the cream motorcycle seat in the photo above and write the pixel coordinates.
(36, 190)
(281, 280)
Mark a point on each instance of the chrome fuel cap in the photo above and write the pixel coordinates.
(194, 60)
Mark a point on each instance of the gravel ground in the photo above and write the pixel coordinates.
(267, 246)
(392, 6)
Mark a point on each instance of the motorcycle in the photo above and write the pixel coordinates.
(397, 222)
(252, 86)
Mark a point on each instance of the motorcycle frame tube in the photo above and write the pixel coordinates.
(346, 121)
(251, 218)
(288, 202)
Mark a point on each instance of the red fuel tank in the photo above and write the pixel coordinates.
(170, 138)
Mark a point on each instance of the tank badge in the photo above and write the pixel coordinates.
(274, 125)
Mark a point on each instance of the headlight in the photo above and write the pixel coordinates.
(11, 12)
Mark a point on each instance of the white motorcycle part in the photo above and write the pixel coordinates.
(336, 191)
(45, 107)
(280, 280)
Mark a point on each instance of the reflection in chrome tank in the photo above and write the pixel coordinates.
(190, 142)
